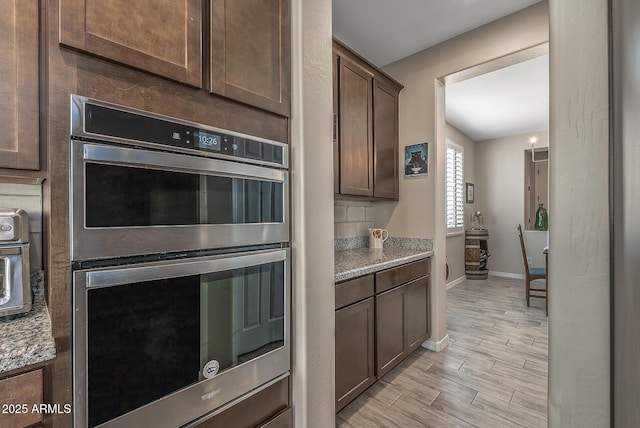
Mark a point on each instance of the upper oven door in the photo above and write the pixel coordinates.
(129, 201)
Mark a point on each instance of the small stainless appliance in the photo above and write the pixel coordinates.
(15, 286)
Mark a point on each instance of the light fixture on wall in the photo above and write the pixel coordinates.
(533, 141)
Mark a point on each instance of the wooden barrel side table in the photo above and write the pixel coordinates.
(476, 253)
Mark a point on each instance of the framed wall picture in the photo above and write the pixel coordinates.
(469, 192)
(416, 160)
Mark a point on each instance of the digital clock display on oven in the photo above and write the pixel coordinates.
(208, 141)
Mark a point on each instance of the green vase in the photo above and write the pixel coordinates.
(542, 218)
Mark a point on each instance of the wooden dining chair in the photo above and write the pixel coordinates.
(531, 274)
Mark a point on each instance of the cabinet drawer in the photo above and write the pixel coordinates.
(353, 291)
(393, 277)
(266, 405)
(25, 389)
(283, 420)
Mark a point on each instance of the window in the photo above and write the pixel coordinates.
(455, 187)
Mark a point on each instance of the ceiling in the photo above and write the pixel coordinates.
(386, 31)
(509, 101)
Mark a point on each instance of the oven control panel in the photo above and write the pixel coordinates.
(100, 119)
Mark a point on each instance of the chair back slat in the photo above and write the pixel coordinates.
(524, 251)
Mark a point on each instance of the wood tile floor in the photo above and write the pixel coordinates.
(493, 374)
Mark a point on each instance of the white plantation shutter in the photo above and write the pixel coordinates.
(455, 186)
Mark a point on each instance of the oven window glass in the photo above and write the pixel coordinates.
(149, 339)
(118, 196)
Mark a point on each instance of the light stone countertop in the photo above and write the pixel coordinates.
(355, 262)
(27, 339)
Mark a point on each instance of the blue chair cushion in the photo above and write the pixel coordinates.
(538, 271)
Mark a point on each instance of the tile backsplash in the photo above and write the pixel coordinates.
(29, 198)
(352, 218)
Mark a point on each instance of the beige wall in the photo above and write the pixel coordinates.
(579, 327)
(500, 196)
(313, 365)
(455, 243)
(420, 211)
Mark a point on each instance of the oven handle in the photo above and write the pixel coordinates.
(179, 163)
(182, 267)
(6, 281)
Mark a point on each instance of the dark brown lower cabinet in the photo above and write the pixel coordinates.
(380, 319)
(390, 330)
(18, 395)
(417, 310)
(354, 351)
(402, 323)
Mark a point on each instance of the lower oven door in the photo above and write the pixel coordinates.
(161, 344)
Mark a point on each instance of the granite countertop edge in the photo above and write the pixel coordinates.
(27, 340)
(343, 275)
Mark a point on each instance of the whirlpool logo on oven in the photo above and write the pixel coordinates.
(210, 395)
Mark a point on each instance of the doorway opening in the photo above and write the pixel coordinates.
(497, 113)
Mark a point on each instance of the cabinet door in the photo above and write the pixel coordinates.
(19, 118)
(385, 141)
(283, 420)
(250, 52)
(20, 391)
(163, 37)
(354, 351)
(356, 145)
(390, 330)
(417, 312)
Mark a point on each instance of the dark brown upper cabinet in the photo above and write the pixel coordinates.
(385, 139)
(19, 110)
(355, 130)
(366, 128)
(161, 37)
(249, 58)
(250, 52)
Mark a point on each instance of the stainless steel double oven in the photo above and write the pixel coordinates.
(180, 260)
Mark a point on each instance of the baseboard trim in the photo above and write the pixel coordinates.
(506, 274)
(437, 346)
(456, 282)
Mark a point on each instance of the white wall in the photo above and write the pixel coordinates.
(455, 244)
(29, 198)
(500, 197)
(420, 211)
(579, 327)
(313, 365)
